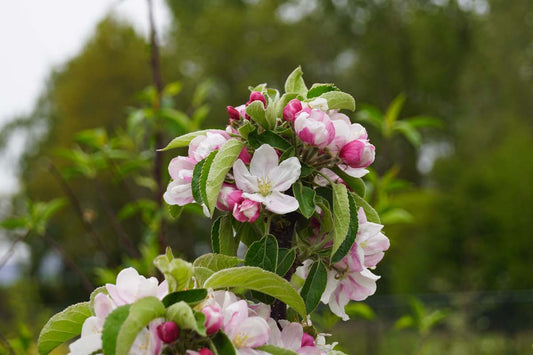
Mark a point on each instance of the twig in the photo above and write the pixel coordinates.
(79, 212)
(120, 232)
(12, 249)
(158, 83)
(84, 280)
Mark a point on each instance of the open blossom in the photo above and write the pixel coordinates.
(179, 191)
(292, 337)
(350, 278)
(245, 332)
(314, 126)
(130, 286)
(213, 319)
(267, 179)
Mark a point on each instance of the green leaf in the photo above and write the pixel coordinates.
(349, 239)
(360, 310)
(268, 137)
(63, 326)
(370, 114)
(256, 111)
(274, 350)
(246, 129)
(356, 184)
(217, 262)
(112, 325)
(223, 345)
(341, 215)
(196, 181)
(263, 254)
(177, 272)
(15, 223)
(222, 238)
(326, 224)
(393, 111)
(295, 82)
(184, 140)
(182, 314)
(306, 199)
(370, 212)
(319, 89)
(222, 163)
(286, 259)
(247, 234)
(201, 274)
(409, 132)
(339, 100)
(206, 168)
(175, 211)
(142, 312)
(314, 286)
(257, 279)
(306, 169)
(192, 297)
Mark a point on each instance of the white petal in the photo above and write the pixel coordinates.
(280, 203)
(283, 176)
(331, 286)
(265, 159)
(254, 197)
(253, 332)
(354, 172)
(86, 345)
(292, 336)
(243, 179)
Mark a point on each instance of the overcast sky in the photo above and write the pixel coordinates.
(36, 35)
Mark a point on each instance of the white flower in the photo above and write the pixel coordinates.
(267, 179)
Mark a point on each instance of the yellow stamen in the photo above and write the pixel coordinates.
(264, 185)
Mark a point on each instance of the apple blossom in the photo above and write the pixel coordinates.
(130, 287)
(291, 337)
(246, 211)
(358, 153)
(292, 109)
(257, 96)
(213, 319)
(228, 196)
(179, 190)
(168, 332)
(200, 147)
(267, 179)
(203, 351)
(314, 127)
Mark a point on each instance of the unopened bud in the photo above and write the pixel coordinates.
(168, 332)
(256, 96)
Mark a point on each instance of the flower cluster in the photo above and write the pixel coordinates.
(285, 177)
(351, 278)
(248, 326)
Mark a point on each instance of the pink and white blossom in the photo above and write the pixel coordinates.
(200, 147)
(228, 196)
(358, 153)
(179, 190)
(203, 351)
(246, 211)
(267, 179)
(130, 287)
(314, 127)
(292, 109)
(213, 319)
(292, 337)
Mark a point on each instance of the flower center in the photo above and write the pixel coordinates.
(264, 185)
(240, 340)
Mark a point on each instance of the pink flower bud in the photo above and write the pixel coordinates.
(307, 340)
(291, 110)
(246, 211)
(358, 153)
(205, 351)
(213, 319)
(245, 156)
(314, 127)
(234, 115)
(229, 196)
(168, 332)
(255, 96)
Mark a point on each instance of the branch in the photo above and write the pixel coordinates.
(78, 210)
(158, 83)
(12, 249)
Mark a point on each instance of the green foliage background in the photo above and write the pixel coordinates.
(474, 71)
